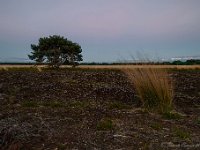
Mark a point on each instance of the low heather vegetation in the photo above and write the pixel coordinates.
(97, 109)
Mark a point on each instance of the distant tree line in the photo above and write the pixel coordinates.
(187, 62)
(178, 62)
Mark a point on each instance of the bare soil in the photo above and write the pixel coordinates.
(93, 109)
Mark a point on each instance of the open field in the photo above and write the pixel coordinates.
(141, 66)
(93, 109)
(111, 66)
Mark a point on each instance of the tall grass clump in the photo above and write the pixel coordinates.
(154, 88)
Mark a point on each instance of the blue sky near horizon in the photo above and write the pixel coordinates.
(107, 30)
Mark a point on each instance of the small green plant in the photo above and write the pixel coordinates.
(156, 126)
(118, 105)
(198, 121)
(183, 134)
(57, 104)
(30, 104)
(146, 146)
(62, 147)
(105, 124)
(171, 116)
(54, 104)
(78, 104)
(154, 88)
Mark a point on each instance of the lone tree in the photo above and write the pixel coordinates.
(56, 50)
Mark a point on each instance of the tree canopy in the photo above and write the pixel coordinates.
(56, 50)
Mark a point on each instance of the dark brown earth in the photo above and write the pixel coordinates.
(93, 109)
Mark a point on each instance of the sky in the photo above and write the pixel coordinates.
(107, 30)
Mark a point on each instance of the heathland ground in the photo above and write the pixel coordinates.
(93, 108)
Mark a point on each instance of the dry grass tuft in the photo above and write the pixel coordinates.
(154, 88)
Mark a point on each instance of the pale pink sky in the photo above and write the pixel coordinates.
(107, 30)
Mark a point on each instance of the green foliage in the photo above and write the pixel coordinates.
(78, 104)
(30, 104)
(178, 62)
(198, 121)
(118, 105)
(54, 104)
(187, 62)
(182, 134)
(61, 146)
(105, 124)
(156, 126)
(171, 116)
(56, 50)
